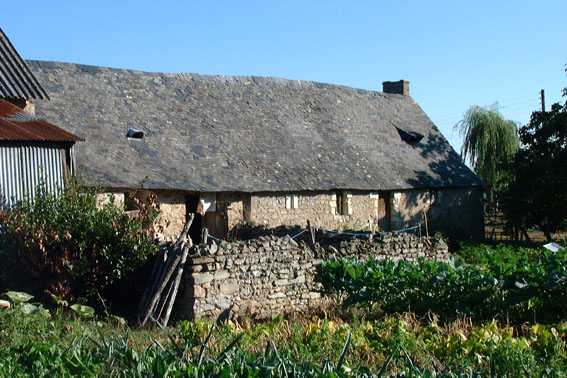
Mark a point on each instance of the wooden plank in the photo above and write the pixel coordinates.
(311, 232)
(165, 273)
(155, 270)
(171, 265)
(176, 283)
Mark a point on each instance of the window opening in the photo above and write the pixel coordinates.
(291, 201)
(342, 203)
(134, 134)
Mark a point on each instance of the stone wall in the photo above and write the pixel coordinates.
(234, 205)
(172, 213)
(271, 275)
(454, 211)
(104, 198)
(457, 212)
(270, 210)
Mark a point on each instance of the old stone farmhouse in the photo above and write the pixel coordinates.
(263, 150)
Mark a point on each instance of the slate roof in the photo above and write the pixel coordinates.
(16, 80)
(17, 125)
(248, 134)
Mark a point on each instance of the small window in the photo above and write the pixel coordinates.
(291, 201)
(342, 207)
(409, 136)
(135, 134)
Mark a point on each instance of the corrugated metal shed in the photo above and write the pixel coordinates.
(16, 125)
(24, 165)
(16, 79)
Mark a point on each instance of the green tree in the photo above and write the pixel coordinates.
(537, 193)
(488, 140)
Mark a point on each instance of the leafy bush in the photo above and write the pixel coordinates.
(66, 245)
(516, 288)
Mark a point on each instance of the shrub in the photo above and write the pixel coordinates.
(66, 245)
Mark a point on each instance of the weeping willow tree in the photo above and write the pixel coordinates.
(488, 141)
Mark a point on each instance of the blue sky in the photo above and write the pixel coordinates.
(454, 53)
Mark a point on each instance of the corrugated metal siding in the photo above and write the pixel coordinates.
(23, 167)
(16, 79)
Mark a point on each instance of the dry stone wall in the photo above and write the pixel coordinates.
(270, 275)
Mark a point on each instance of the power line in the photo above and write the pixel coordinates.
(501, 104)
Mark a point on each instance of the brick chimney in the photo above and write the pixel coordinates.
(396, 87)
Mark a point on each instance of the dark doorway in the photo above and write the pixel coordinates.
(384, 211)
(191, 206)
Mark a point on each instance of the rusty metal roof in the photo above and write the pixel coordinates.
(16, 125)
(16, 79)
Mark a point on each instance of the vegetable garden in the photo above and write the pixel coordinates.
(496, 311)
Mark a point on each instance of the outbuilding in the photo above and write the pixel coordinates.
(31, 149)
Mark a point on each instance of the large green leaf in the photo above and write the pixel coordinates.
(30, 309)
(82, 310)
(18, 296)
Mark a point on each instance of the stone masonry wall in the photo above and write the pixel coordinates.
(457, 212)
(234, 207)
(172, 213)
(271, 275)
(319, 208)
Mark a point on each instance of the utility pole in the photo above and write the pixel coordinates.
(542, 101)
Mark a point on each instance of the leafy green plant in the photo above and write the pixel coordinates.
(82, 310)
(394, 346)
(71, 246)
(517, 288)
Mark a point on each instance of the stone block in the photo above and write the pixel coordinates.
(201, 260)
(221, 275)
(229, 287)
(222, 303)
(299, 280)
(197, 291)
(194, 268)
(277, 295)
(201, 278)
(281, 282)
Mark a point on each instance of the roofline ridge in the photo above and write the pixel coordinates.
(193, 76)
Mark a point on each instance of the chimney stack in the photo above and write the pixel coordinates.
(396, 87)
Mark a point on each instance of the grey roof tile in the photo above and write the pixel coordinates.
(250, 134)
